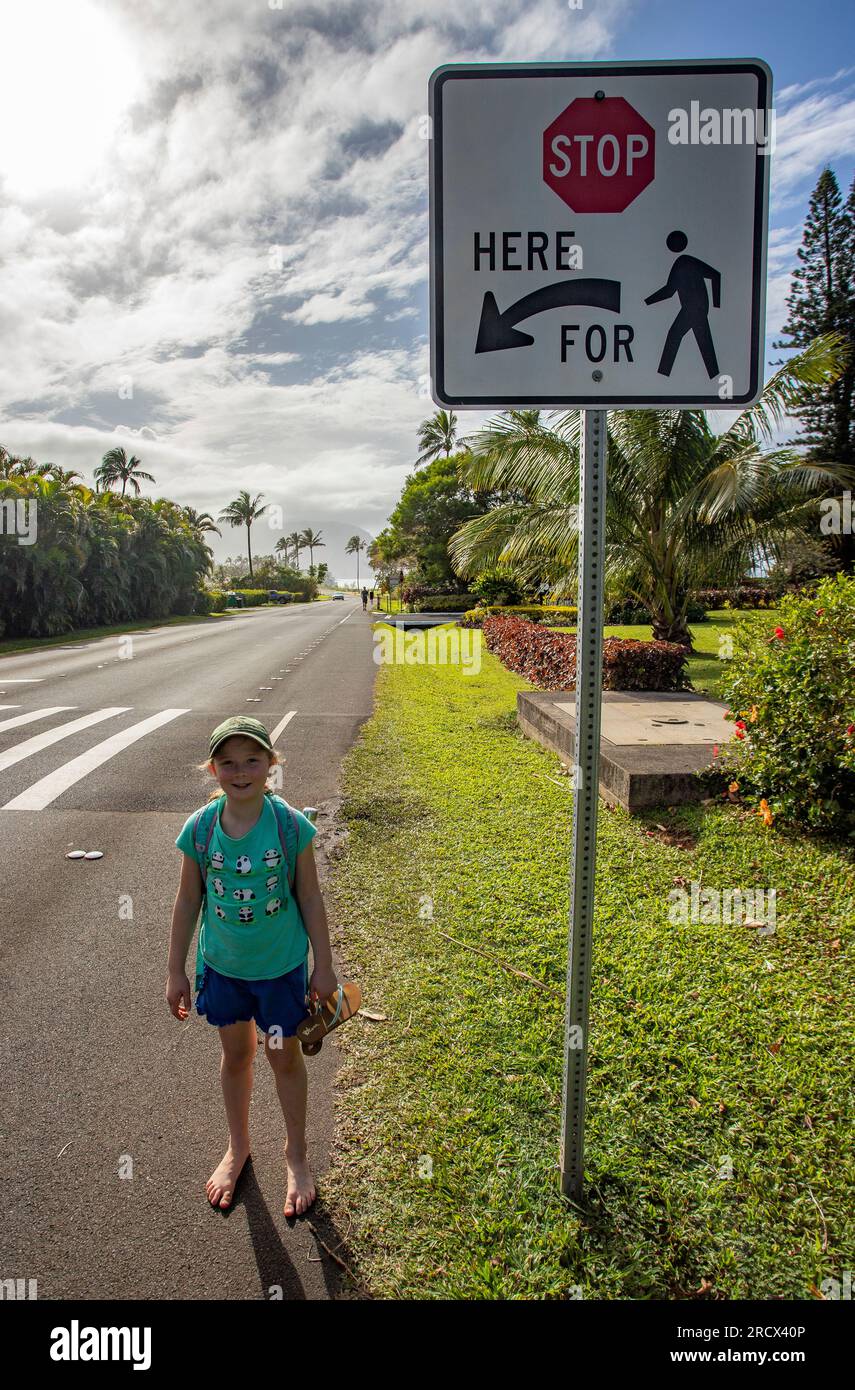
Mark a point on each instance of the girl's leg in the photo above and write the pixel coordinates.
(239, 1047)
(286, 1058)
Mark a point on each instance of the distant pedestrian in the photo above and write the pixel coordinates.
(364, 599)
(371, 596)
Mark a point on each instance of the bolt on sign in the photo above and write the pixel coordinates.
(598, 233)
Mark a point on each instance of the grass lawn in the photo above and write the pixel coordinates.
(711, 1050)
(704, 668)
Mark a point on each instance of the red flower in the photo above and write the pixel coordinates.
(819, 612)
(779, 633)
(740, 723)
(850, 728)
(739, 733)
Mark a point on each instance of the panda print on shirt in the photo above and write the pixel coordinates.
(239, 885)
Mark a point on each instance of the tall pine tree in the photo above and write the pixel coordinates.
(822, 300)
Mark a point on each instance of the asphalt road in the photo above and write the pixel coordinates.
(112, 1116)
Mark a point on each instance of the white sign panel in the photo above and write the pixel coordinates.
(598, 233)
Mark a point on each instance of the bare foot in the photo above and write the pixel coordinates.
(221, 1184)
(301, 1187)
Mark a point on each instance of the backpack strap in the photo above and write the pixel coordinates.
(204, 828)
(289, 835)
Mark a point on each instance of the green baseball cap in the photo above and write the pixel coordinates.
(239, 724)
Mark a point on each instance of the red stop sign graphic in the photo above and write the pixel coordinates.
(598, 155)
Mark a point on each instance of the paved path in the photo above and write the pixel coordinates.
(98, 746)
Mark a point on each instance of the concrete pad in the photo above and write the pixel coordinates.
(660, 720)
(659, 765)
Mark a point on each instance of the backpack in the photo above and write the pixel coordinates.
(203, 830)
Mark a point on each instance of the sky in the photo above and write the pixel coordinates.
(214, 224)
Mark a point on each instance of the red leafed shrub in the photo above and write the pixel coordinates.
(632, 665)
(548, 659)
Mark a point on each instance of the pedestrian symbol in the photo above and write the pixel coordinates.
(688, 281)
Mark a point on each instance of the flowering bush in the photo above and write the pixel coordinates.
(548, 659)
(791, 691)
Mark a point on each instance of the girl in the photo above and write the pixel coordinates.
(253, 948)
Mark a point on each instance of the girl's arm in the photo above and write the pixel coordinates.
(308, 893)
(188, 900)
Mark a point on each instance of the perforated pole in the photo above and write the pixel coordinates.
(589, 663)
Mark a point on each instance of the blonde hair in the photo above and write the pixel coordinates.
(274, 760)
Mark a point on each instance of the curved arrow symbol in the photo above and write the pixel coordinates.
(496, 331)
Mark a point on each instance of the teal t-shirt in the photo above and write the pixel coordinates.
(252, 927)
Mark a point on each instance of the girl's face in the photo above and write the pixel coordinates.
(241, 766)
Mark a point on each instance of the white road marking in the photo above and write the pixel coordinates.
(40, 741)
(32, 716)
(47, 789)
(281, 725)
(21, 680)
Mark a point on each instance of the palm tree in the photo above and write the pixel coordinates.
(683, 504)
(313, 540)
(200, 522)
(295, 543)
(437, 435)
(353, 547)
(243, 512)
(115, 465)
(11, 466)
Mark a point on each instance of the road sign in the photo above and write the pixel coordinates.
(598, 233)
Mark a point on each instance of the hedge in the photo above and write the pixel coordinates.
(548, 659)
(548, 614)
(745, 596)
(410, 593)
(630, 613)
(441, 603)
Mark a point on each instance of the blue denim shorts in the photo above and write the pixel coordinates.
(281, 1002)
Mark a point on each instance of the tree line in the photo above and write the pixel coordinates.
(106, 555)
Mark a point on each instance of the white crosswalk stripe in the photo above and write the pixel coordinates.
(33, 715)
(48, 788)
(40, 741)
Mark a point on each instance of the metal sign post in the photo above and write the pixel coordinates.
(598, 242)
(589, 662)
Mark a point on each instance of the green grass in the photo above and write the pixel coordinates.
(705, 667)
(707, 1044)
